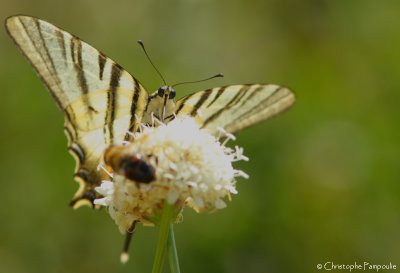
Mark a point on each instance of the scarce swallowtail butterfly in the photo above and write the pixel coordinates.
(102, 103)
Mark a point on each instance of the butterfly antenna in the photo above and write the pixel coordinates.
(219, 75)
(125, 251)
(140, 42)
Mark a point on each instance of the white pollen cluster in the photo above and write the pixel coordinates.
(192, 168)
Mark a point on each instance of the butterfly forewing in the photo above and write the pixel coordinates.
(100, 100)
(235, 107)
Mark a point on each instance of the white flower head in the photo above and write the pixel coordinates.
(178, 163)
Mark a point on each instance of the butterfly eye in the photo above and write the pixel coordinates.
(161, 91)
(172, 94)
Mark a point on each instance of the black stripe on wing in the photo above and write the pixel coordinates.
(234, 101)
(116, 71)
(61, 43)
(134, 106)
(264, 103)
(76, 55)
(102, 63)
(219, 93)
(182, 103)
(52, 72)
(50, 59)
(200, 102)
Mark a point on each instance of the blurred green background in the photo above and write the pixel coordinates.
(324, 180)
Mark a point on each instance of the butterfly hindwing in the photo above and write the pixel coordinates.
(100, 100)
(235, 107)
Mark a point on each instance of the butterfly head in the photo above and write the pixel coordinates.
(162, 103)
(166, 92)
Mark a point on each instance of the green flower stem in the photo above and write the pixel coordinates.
(172, 253)
(165, 223)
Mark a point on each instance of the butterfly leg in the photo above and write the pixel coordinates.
(125, 251)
